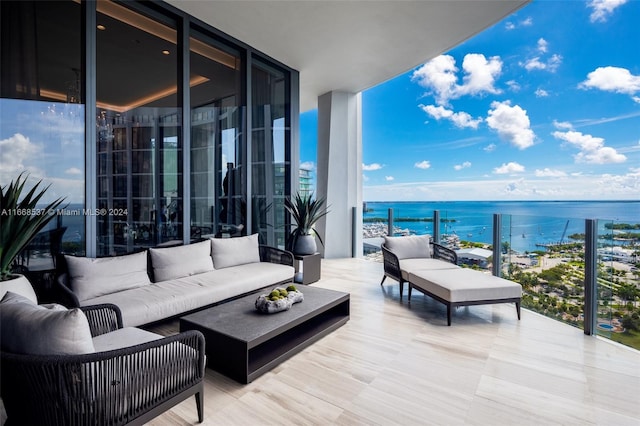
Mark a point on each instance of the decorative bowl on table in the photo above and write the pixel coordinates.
(280, 299)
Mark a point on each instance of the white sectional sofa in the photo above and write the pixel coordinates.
(161, 283)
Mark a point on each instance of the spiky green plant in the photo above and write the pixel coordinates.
(305, 211)
(18, 224)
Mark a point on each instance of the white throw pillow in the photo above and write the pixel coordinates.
(409, 247)
(228, 252)
(20, 286)
(27, 328)
(96, 277)
(181, 261)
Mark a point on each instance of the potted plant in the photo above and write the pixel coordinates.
(305, 211)
(20, 221)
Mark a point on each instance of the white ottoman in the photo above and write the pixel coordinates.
(463, 287)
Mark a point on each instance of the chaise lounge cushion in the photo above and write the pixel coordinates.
(408, 247)
(420, 264)
(27, 328)
(227, 252)
(181, 261)
(91, 278)
(464, 285)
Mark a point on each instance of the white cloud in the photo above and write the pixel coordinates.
(73, 171)
(15, 153)
(464, 165)
(510, 26)
(424, 165)
(562, 125)
(541, 93)
(612, 79)
(509, 168)
(490, 148)
(602, 9)
(308, 165)
(459, 119)
(439, 77)
(389, 178)
(542, 45)
(513, 85)
(524, 23)
(527, 22)
(550, 64)
(592, 149)
(511, 123)
(365, 178)
(371, 167)
(576, 186)
(547, 172)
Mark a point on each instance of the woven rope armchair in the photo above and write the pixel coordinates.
(122, 386)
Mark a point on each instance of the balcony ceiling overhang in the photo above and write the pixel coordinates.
(349, 45)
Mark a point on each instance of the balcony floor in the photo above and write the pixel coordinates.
(399, 363)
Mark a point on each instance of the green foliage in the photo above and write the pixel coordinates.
(305, 212)
(21, 220)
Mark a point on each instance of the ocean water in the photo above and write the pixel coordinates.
(525, 224)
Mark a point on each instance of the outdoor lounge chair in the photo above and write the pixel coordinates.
(126, 385)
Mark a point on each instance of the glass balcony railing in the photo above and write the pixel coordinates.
(549, 257)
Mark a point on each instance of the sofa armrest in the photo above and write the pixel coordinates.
(443, 253)
(103, 318)
(275, 255)
(391, 264)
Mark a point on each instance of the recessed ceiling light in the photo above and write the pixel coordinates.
(166, 52)
(101, 27)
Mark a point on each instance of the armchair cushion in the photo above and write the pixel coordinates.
(181, 261)
(228, 252)
(27, 328)
(409, 247)
(123, 338)
(91, 278)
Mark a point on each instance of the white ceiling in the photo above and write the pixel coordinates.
(349, 45)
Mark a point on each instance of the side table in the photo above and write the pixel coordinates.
(307, 268)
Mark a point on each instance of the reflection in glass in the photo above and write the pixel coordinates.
(139, 152)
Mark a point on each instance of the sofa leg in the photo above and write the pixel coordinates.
(384, 277)
(448, 314)
(199, 406)
(518, 309)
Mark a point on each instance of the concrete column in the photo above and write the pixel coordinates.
(340, 173)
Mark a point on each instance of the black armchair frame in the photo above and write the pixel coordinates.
(392, 263)
(124, 386)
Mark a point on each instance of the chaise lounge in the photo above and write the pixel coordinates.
(409, 259)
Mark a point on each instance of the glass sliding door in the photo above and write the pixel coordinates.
(270, 152)
(218, 176)
(42, 119)
(139, 164)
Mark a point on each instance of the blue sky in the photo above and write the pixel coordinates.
(544, 105)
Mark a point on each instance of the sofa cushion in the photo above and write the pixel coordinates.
(173, 297)
(181, 261)
(20, 286)
(408, 247)
(228, 252)
(91, 278)
(27, 328)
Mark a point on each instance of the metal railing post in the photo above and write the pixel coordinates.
(436, 226)
(497, 239)
(590, 276)
(390, 223)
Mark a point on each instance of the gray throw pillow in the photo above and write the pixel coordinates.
(181, 261)
(27, 328)
(409, 247)
(91, 278)
(228, 252)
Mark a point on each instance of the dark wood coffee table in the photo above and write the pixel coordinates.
(243, 344)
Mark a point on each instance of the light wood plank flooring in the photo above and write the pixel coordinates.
(397, 363)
